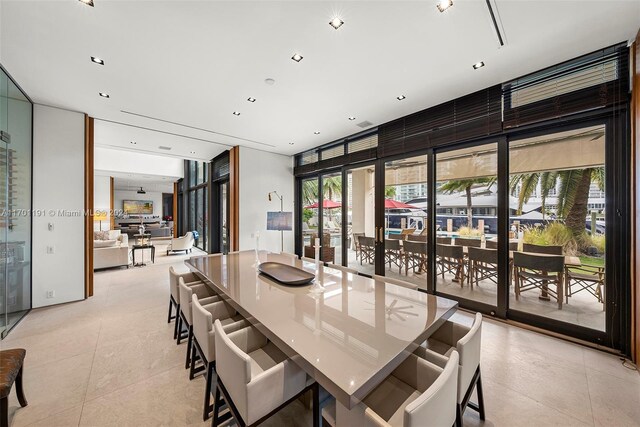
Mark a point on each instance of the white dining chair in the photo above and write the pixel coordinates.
(205, 295)
(289, 255)
(307, 259)
(454, 337)
(342, 268)
(190, 279)
(203, 345)
(417, 393)
(395, 281)
(255, 378)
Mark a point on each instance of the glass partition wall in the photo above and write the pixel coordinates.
(16, 112)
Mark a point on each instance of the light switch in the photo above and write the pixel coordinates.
(50, 249)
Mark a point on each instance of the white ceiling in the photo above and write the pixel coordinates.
(194, 63)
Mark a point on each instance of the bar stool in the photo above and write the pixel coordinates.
(453, 337)
(203, 343)
(255, 378)
(190, 279)
(205, 296)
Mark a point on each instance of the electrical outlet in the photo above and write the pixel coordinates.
(51, 294)
(50, 249)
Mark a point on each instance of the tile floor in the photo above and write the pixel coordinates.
(111, 360)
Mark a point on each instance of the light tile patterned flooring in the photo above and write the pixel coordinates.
(111, 360)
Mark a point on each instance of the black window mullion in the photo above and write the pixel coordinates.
(504, 273)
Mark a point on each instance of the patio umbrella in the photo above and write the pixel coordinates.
(326, 204)
(394, 204)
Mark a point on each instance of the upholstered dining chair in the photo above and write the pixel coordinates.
(417, 393)
(205, 295)
(289, 255)
(190, 279)
(255, 378)
(395, 281)
(203, 345)
(452, 338)
(11, 366)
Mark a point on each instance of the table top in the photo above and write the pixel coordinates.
(348, 338)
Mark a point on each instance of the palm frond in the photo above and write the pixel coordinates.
(569, 181)
(528, 185)
(597, 176)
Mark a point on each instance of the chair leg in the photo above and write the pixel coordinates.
(179, 321)
(20, 390)
(189, 345)
(458, 415)
(169, 315)
(317, 414)
(480, 396)
(175, 326)
(192, 366)
(4, 412)
(206, 412)
(216, 407)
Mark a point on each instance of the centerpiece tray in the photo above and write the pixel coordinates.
(286, 274)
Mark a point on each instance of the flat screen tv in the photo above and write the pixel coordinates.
(137, 207)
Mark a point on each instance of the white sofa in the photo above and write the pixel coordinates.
(110, 249)
(184, 243)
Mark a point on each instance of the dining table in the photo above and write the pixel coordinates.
(346, 331)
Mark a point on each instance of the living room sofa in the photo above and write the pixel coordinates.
(110, 249)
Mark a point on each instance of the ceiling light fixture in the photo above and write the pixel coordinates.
(444, 5)
(104, 95)
(193, 152)
(478, 65)
(317, 132)
(236, 113)
(336, 22)
(133, 142)
(291, 143)
(97, 60)
(87, 2)
(352, 118)
(250, 99)
(297, 57)
(401, 97)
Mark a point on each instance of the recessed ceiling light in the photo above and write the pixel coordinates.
(87, 2)
(291, 143)
(444, 5)
(97, 60)
(478, 65)
(236, 113)
(401, 97)
(352, 118)
(316, 132)
(297, 57)
(104, 95)
(336, 22)
(250, 99)
(133, 142)
(193, 152)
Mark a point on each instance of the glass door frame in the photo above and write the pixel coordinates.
(617, 241)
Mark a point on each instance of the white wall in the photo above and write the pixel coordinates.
(261, 173)
(107, 159)
(102, 199)
(155, 197)
(58, 184)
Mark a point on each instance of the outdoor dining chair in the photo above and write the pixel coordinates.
(539, 271)
(367, 249)
(588, 278)
(393, 253)
(415, 256)
(542, 249)
(483, 265)
(443, 240)
(461, 241)
(450, 259)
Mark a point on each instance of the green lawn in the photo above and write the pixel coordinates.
(595, 261)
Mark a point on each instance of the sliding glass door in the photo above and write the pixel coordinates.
(363, 234)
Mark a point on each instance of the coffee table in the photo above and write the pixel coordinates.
(142, 248)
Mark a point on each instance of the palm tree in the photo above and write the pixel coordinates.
(573, 194)
(389, 192)
(332, 186)
(459, 185)
(310, 191)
